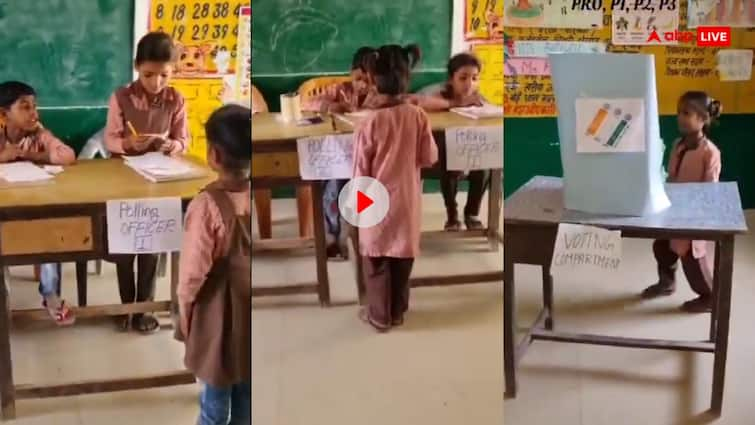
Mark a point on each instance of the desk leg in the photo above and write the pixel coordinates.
(724, 272)
(495, 203)
(81, 282)
(715, 291)
(548, 297)
(323, 286)
(175, 258)
(7, 389)
(509, 324)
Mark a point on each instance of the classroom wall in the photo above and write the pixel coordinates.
(531, 148)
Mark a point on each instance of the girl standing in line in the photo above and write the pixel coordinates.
(215, 284)
(392, 145)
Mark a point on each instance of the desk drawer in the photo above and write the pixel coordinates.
(284, 164)
(52, 235)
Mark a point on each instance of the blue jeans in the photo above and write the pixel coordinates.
(49, 279)
(225, 406)
(330, 207)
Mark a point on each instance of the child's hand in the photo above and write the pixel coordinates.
(138, 142)
(10, 153)
(340, 108)
(33, 156)
(472, 100)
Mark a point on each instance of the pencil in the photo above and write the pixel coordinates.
(131, 127)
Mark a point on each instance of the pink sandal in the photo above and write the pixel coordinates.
(62, 316)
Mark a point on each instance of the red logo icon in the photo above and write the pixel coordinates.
(705, 36)
(363, 201)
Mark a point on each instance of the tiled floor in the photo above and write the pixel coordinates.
(323, 366)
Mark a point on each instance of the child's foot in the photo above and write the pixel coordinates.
(397, 321)
(122, 323)
(332, 250)
(146, 324)
(660, 289)
(59, 311)
(452, 226)
(364, 316)
(700, 304)
(473, 223)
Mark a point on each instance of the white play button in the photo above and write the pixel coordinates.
(363, 202)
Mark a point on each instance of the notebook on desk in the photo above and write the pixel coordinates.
(16, 174)
(158, 168)
(478, 112)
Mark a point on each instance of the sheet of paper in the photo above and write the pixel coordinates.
(23, 172)
(610, 125)
(144, 226)
(541, 48)
(477, 112)
(326, 157)
(158, 164)
(586, 249)
(474, 148)
(734, 64)
(633, 25)
(53, 169)
(550, 14)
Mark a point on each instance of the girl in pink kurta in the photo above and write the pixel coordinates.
(392, 145)
(215, 287)
(145, 116)
(22, 138)
(694, 158)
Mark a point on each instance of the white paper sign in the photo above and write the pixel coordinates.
(474, 148)
(326, 157)
(734, 64)
(586, 248)
(610, 125)
(144, 226)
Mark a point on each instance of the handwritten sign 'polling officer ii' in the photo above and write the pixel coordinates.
(144, 226)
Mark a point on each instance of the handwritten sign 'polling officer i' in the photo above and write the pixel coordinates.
(144, 226)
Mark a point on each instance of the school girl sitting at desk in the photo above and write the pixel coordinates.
(460, 90)
(23, 138)
(145, 116)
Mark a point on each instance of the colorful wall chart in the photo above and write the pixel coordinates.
(732, 13)
(243, 92)
(529, 93)
(207, 35)
(491, 77)
(483, 20)
(550, 14)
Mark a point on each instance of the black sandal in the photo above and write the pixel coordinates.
(123, 323)
(452, 226)
(660, 289)
(146, 324)
(473, 223)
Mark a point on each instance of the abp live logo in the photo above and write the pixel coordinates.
(706, 36)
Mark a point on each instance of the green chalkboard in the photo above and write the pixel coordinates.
(73, 52)
(319, 36)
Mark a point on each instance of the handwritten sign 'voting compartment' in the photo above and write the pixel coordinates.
(474, 148)
(326, 157)
(144, 226)
(586, 248)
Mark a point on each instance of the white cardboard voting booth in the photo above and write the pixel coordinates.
(611, 147)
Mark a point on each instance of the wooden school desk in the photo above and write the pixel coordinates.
(275, 163)
(700, 211)
(65, 221)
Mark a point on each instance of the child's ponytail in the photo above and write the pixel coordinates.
(413, 54)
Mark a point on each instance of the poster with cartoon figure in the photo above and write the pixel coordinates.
(550, 14)
(730, 13)
(483, 20)
(206, 34)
